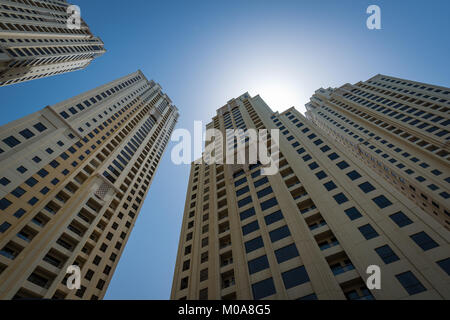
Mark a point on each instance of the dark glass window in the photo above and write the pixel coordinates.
(353, 213)
(242, 191)
(260, 182)
(382, 201)
(445, 265)
(368, 232)
(269, 203)
(239, 182)
(330, 185)
(424, 241)
(263, 289)
(258, 264)
(321, 175)
(313, 165)
(254, 244)
(333, 156)
(400, 219)
(40, 127)
(354, 175)
(295, 277)
(340, 198)
(286, 253)
(248, 228)
(387, 254)
(279, 233)
(247, 213)
(264, 192)
(342, 165)
(11, 141)
(244, 201)
(18, 192)
(366, 187)
(27, 134)
(273, 217)
(411, 284)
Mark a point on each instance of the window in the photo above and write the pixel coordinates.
(353, 213)
(368, 232)
(247, 213)
(40, 127)
(313, 165)
(342, 165)
(340, 198)
(4, 181)
(263, 289)
(4, 226)
(244, 201)
(330, 185)
(269, 203)
(252, 226)
(286, 253)
(411, 284)
(264, 192)
(400, 219)
(366, 187)
(22, 169)
(203, 274)
(27, 134)
(295, 277)
(321, 175)
(184, 283)
(424, 241)
(382, 201)
(258, 264)
(18, 192)
(254, 244)
(11, 141)
(260, 182)
(354, 175)
(239, 182)
(386, 254)
(42, 173)
(445, 265)
(279, 233)
(242, 191)
(333, 156)
(203, 294)
(273, 217)
(4, 203)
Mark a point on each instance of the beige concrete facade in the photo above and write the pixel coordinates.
(35, 41)
(73, 179)
(400, 128)
(307, 232)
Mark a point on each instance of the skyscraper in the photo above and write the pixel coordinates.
(73, 179)
(308, 232)
(398, 127)
(36, 42)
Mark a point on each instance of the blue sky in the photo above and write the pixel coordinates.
(205, 52)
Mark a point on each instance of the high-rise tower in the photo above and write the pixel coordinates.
(308, 232)
(36, 42)
(398, 127)
(73, 179)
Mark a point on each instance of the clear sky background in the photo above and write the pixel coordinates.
(204, 53)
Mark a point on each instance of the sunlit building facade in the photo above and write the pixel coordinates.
(35, 41)
(308, 232)
(73, 178)
(399, 128)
